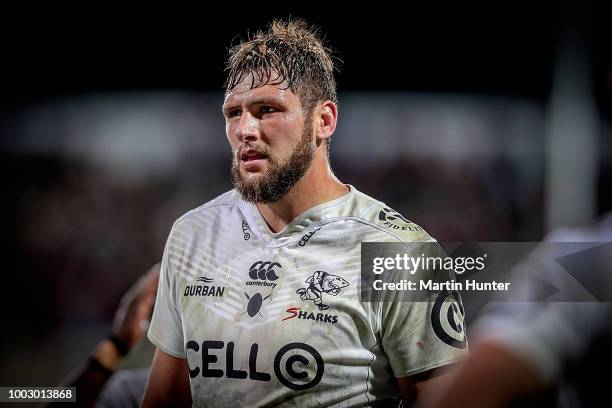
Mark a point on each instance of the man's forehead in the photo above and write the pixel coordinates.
(243, 93)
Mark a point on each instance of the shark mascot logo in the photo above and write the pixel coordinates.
(318, 283)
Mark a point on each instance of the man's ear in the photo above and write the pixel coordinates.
(326, 120)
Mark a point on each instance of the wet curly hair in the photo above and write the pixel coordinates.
(290, 52)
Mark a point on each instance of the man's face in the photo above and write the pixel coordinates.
(272, 141)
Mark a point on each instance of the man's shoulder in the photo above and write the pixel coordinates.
(387, 222)
(220, 206)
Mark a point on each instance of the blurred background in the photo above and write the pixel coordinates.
(478, 124)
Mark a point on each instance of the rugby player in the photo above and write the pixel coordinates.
(258, 301)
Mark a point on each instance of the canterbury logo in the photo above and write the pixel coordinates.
(264, 270)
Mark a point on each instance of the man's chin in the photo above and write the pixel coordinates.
(252, 177)
(251, 193)
(256, 190)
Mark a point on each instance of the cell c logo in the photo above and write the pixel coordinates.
(290, 369)
(447, 317)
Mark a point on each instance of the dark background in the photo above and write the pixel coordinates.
(502, 49)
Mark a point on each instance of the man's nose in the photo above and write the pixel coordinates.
(248, 127)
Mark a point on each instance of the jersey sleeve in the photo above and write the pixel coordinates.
(422, 335)
(166, 329)
(419, 333)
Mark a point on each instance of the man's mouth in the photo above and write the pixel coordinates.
(251, 155)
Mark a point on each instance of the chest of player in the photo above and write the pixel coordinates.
(259, 284)
(292, 291)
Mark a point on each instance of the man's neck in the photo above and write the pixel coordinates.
(319, 185)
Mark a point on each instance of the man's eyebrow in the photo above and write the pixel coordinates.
(254, 101)
(267, 99)
(229, 106)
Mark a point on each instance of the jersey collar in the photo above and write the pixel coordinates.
(298, 226)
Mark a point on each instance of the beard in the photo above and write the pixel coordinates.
(281, 175)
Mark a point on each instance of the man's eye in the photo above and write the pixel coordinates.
(267, 109)
(233, 113)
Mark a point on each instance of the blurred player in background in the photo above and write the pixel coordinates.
(258, 303)
(97, 382)
(545, 353)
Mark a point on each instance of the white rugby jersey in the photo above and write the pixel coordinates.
(268, 319)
